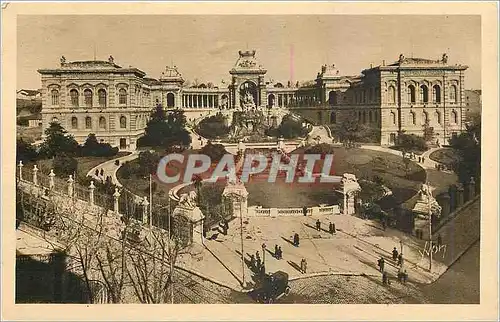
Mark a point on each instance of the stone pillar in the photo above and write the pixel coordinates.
(91, 192)
(20, 165)
(445, 204)
(35, 175)
(471, 189)
(70, 186)
(145, 212)
(460, 195)
(116, 196)
(452, 191)
(51, 179)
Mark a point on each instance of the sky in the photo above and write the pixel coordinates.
(206, 47)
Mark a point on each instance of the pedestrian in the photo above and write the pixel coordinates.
(394, 254)
(96, 172)
(102, 173)
(419, 159)
(385, 278)
(276, 252)
(330, 228)
(334, 229)
(384, 225)
(280, 253)
(440, 240)
(423, 160)
(318, 225)
(400, 259)
(405, 277)
(303, 265)
(296, 240)
(381, 263)
(262, 270)
(304, 210)
(252, 262)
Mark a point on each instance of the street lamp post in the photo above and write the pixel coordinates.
(242, 253)
(430, 229)
(264, 254)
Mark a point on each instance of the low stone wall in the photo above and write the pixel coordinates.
(256, 211)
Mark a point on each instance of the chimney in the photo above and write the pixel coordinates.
(371, 65)
(383, 62)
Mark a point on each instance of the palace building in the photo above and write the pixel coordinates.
(115, 103)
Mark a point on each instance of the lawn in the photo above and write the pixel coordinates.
(446, 156)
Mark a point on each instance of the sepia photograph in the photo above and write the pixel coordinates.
(248, 159)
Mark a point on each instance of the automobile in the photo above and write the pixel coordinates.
(272, 287)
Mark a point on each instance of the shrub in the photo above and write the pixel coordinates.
(322, 148)
(93, 148)
(411, 142)
(64, 165)
(214, 151)
(213, 127)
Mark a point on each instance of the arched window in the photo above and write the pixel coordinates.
(122, 96)
(436, 94)
(454, 117)
(123, 122)
(370, 99)
(88, 122)
(74, 123)
(393, 118)
(332, 98)
(412, 118)
(370, 116)
(364, 116)
(102, 97)
(55, 97)
(437, 116)
(392, 95)
(333, 118)
(453, 94)
(424, 93)
(73, 94)
(270, 100)
(425, 117)
(171, 100)
(411, 94)
(87, 94)
(359, 116)
(102, 123)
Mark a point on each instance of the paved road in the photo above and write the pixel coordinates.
(110, 168)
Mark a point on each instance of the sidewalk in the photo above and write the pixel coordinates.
(354, 249)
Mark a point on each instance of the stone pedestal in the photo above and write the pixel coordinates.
(471, 193)
(350, 189)
(452, 191)
(20, 165)
(460, 195)
(35, 175)
(194, 217)
(444, 202)
(91, 192)
(116, 196)
(51, 179)
(71, 183)
(237, 194)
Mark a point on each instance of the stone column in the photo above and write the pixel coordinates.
(70, 186)
(91, 192)
(460, 195)
(472, 189)
(35, 175)
(116, 196)
(51, 179)
(445, 204)
(145, 213)
(20, 165)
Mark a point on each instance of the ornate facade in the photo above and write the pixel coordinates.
(115, 103)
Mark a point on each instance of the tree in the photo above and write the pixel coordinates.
(468, 144)
(428, 131)
(64, 165)
(92, 147)
(411, 142)
(148, 163)
(165, 130)
(58, 141)
(24, 151)
(349, 131)
(290, 128)
(153, 260)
